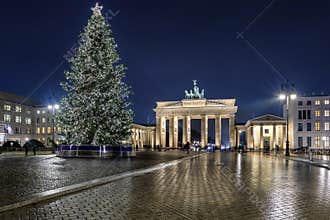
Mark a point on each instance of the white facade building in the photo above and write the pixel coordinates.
(309, 122)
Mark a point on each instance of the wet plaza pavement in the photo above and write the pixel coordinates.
(213, 186)
(23, 176)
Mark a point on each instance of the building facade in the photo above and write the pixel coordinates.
(16, 118)
(194, 106)
(23, 119)
(143, 136)
(265, 132)
(309, 122)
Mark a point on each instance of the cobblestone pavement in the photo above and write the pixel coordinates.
(22, 176)
(214, 186)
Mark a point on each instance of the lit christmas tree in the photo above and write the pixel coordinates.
(95, 109)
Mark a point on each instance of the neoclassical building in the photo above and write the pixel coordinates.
(264, 132)
(143, 135)
(194, 106)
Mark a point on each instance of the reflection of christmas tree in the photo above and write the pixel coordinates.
(95, 109)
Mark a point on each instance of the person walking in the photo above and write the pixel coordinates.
(188, 147)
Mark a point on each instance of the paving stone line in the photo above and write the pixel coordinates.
(51, 194)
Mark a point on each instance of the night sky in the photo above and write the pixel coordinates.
(166, 44)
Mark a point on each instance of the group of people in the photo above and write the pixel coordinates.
(186, 147)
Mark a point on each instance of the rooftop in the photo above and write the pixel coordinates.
(18, 99)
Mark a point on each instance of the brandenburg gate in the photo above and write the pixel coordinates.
(194, 106)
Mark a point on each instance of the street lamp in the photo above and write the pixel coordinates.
(52, 109)
(287, 95)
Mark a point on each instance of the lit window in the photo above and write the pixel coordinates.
(43, 111)
(59, 130)
(43, 130)
(6, 107)
(326, 113)
(38, 112)
(6, 118)
(48, 130)
(38, 130)
(326, 126)
(18, 119)
(327, 102)
(28, 112)
(317, 126)
(326, 141)
(317, 113)
(317, 102)
(28, 121)
(317, 141)
(18, 108)
(43, 120)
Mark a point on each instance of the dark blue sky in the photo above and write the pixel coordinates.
(166, 44)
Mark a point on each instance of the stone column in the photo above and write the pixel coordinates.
(204, 130)
(248, 137)
(238, 137)
(142, 138)
(171, 132)
(138, 138)
(218, 131)
(188, 128)
(274, 137)
(163, 132)
(133, 137)
(232, 130)
(283, 136)
(252, 137)
(184, 130)
(175, 132)
(261, 144)
(158, 130)
(152, 140)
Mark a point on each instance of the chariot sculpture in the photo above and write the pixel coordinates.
(195, 93)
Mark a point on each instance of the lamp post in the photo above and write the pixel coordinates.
(52, 109)
(287, 95)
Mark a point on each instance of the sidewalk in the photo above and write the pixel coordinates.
(324, 163)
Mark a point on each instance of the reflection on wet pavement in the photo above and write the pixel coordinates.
(214, 186)
(24, 176)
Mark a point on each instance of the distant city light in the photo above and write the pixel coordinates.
(282, 96)
(56, 106)
(293, 96)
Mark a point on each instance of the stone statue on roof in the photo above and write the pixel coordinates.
(195, 93)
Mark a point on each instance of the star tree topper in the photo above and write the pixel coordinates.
(97, 9)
